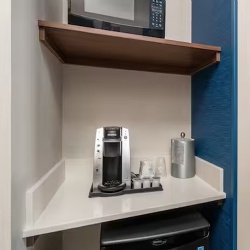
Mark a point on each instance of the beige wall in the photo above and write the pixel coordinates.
(5, 125)
(155, 107)
(36, 108)
(53, 241)
(151, 104)
(243, 125)
(85, 238)
(179, 20)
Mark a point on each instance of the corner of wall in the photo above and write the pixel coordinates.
(5, 125)
(36, 105)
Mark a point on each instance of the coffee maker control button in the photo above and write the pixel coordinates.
(98, 151)
(98, 145)
(125, 137)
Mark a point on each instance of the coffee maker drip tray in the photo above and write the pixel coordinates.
(112, 186)
(104, 191)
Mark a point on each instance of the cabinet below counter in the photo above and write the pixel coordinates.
(71, 208)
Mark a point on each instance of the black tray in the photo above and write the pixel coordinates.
(124, 191)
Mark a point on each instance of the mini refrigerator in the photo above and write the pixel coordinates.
(157, 232)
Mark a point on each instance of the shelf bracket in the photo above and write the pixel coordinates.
(216, 59)
(50, 45)
(31, 241)
(220, 203)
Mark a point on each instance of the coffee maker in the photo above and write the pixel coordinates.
(112, 172)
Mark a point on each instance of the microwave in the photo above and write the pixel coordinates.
(141, 17)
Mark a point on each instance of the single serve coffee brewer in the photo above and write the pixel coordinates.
(111, 160)
(111, 167)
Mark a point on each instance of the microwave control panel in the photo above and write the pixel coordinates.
(157, 17)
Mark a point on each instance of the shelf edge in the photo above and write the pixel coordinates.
(46, 26)
(62, 26)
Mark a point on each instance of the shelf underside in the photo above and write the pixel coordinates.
(101, 48)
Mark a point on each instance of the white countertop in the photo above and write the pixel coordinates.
(71, 207)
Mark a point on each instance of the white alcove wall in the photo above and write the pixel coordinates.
(36, 111)
(38, 80)
(155, 107)
(243, 125)
(5, 125)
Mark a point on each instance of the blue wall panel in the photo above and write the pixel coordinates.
(213, 108)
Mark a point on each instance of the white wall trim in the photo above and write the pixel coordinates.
(65, 11)
(38, 196)
(179, 20)
(210, 173)
(243, 205)
(5, 125)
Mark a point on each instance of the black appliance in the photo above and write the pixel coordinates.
(142, 17)
(175, 232)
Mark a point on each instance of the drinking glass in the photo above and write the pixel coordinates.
(146, 169)
(160, 169)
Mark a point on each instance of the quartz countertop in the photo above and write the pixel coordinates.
(71, 208)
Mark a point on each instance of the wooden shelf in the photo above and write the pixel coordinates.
(101, 48)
